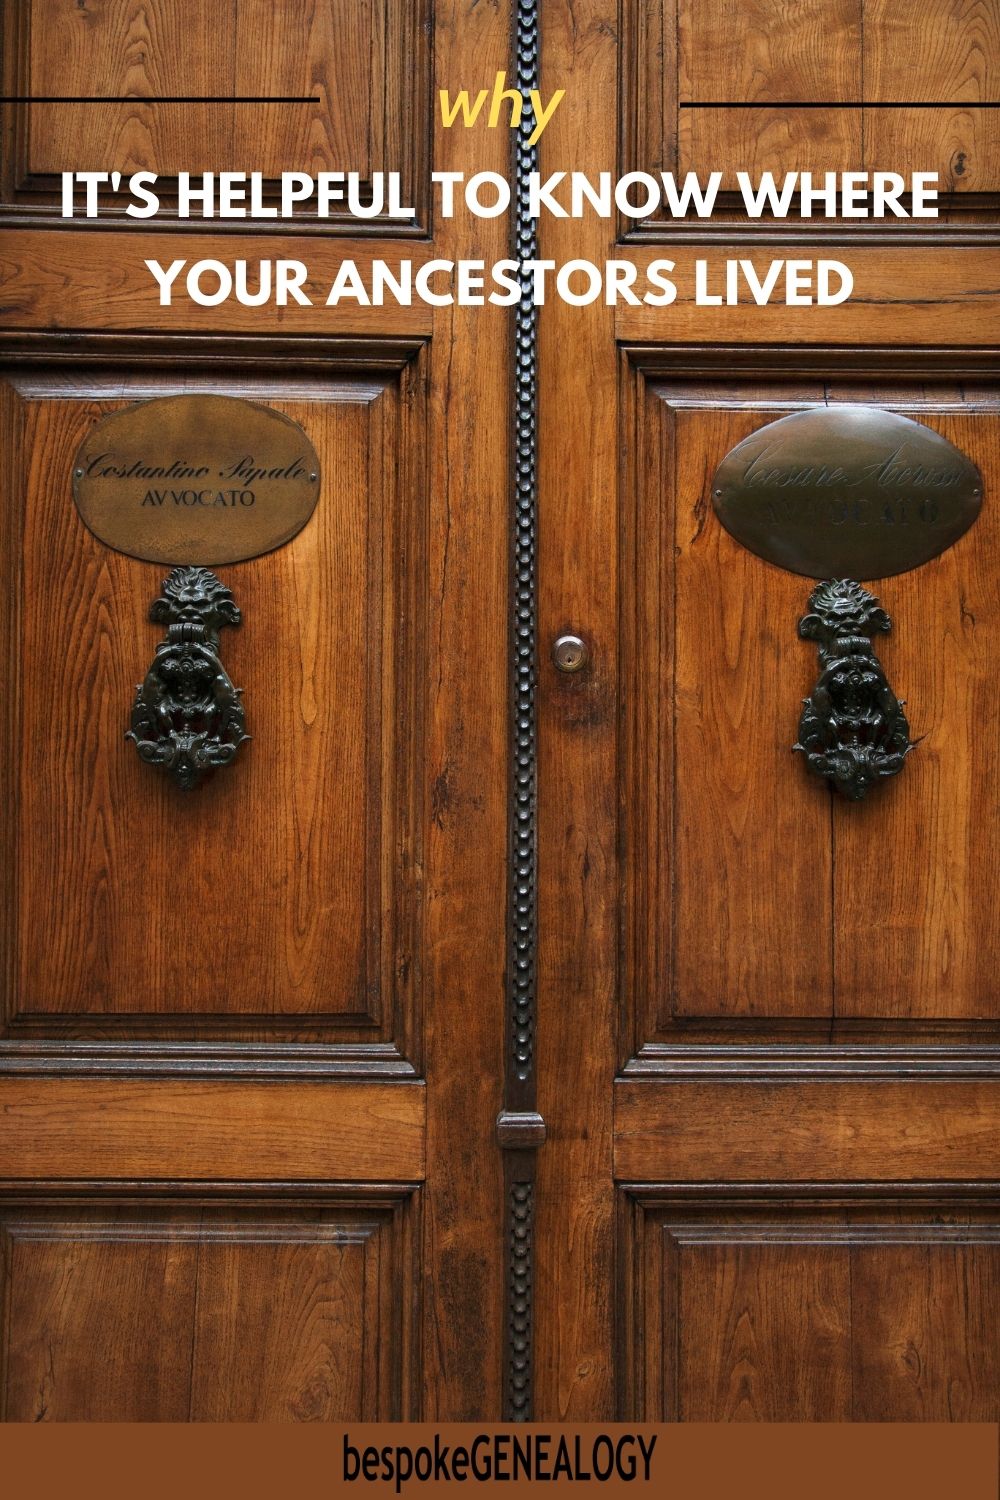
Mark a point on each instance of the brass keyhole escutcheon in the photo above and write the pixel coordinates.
(570, 653)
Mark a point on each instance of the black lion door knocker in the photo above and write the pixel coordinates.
(188, 717)
(853, 729)
(843, 492)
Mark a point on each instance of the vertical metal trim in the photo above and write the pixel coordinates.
(515, 1132)
(524, 602)
(519, 1395)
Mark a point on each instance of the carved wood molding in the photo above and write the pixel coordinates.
(754, 1062)
(290, 355)
(243, 1060)
(743, 361)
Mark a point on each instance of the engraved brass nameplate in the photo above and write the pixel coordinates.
(846, 491)
(196, 479)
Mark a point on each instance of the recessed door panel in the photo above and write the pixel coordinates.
(208, 1313)
(812, 1310)
(756, 898)
(185, 85)
(139, 901)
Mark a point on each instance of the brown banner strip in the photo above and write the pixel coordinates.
(780, 1462)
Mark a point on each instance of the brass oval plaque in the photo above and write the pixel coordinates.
(196, 479)
(846, 492)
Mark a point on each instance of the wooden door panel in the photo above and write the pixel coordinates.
(354, 1130)
(682, 57)
(175, 930)
(219, 1007)
(809, 997)
(218, 1010)
(714, 809)
(851, 1309)
(363, 65)
(917, 926)
(275, 925)
(774, 1117)
(794, 995)
(763, 53)
(942, 53)
(209, 1312)
(751, 897)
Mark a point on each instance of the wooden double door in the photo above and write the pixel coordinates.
(491, 1039)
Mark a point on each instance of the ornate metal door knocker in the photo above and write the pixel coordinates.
(840, 493)
(187, 716)
(853, 729)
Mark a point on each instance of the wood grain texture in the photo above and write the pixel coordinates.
(945, 296)
(807, 1320)
(465, 777)
(917, 932)
(647, 86)
(769, 51)
(577, 770)
(438, 429)
(342, 54)
(48, 281)
(96, 1128)
(748, 892)
(929, 1312)
(116, 48)
(863, 57)
(362, 69)
(790, 1310)
(271, 918)
(677, 53)
(758, 139)
(756, 1132)
(932, 49)
(268, 1314)
(961, 146)
(335, 53)
(761, 53)
(947, 51)
(97, 1331)
(783, 1328)
(216, 1314)
(362, 66)
(764, 1333)
(11, 441)
(747, 886)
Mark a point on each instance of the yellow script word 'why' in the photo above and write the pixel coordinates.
(470, 111)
